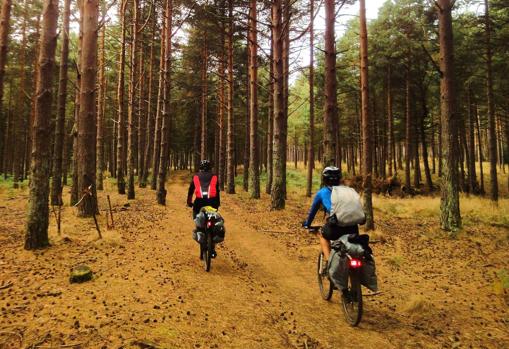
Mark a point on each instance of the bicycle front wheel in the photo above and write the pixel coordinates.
(324, 283)
(351, 300)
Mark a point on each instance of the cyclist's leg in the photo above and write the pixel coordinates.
(325, 244)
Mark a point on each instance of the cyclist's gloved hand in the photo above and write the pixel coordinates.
(189, 204)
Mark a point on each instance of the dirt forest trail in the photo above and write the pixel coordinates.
(150, 287)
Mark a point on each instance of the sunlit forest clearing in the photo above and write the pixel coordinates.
(108, 109)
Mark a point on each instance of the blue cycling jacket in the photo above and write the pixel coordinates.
(323, 199)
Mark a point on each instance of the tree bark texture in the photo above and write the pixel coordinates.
(450, 218)
(230, 164)
(131, 111)
(277, 192)
(38, 211)
(367, 132)
(56, 184)
(101, 105)
(254, 174)
(120, 99)
(311, 144)
(165, 124)
(492, 135)
(88, 111)
(330, 113)
(5, 17)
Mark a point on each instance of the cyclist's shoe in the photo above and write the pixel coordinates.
(214, 254)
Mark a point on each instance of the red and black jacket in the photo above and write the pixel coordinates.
(205, 187)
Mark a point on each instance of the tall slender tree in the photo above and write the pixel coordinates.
(38, 211)
(230, 164)
(492, 135)
(450, 218)
(120, 99)
(5, 17)
(330, 113)
(19, 127)
(367, 131)
(311, 144)
(278, 188)
(101, 101)
(88, 109)
(165, 125)
(254, 175)
(56, 184)
(131, 112)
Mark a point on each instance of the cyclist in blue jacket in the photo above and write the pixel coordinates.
(331, 176)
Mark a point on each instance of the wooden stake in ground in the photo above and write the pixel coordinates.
(111, 211)
(38, 209)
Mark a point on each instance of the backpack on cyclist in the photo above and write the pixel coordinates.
(346, 206)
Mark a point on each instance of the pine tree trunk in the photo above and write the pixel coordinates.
(310, 150)
(221, 98)
(131, 112)
(120, 98)
(56, 184)
(254, 174)
(5, 16)
(270, 121)
(75, 190)
(101, 100)
(38, 211)
(165, 124)
(277, 192)
(330, 109)
(19, 128)
(390, 128)
(245, 155)
(159, 108)
(230, 161)
(427, 172)
(150, 115)
(88, 113)
(204, 95)
(450, 218)
(366, 120)
(492, 136)
(142, 114)
(408, 129)
(472, 176)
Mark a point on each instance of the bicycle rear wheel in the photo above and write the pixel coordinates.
(351, 300)
(324, 283)
(207, 252)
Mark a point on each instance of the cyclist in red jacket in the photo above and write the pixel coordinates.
(205, 187)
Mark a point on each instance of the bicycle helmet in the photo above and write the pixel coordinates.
(331, 176)
(205, 166)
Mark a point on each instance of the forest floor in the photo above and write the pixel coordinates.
(150, 289)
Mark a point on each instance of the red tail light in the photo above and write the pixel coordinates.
(209, 224)
(355, 263)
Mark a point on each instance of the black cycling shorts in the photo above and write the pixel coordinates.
(331, 231)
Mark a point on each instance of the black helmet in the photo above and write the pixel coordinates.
(331, 176)
(205, 166)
